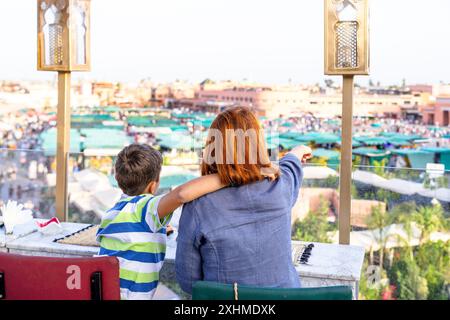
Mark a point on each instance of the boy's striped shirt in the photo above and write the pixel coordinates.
(133, 232)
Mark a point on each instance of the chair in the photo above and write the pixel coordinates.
(48, 278)
(205, 290)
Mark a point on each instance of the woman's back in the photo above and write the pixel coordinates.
(241, 234)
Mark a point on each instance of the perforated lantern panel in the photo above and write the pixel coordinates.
(347, 45)
(55, 45)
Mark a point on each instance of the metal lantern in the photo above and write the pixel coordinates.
(346, 37)
(63, 35)
(63, 46)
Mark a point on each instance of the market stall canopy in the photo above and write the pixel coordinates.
(355, 143)
(399, 136)
(443, 153)
(312, 137)
(174, 180)
(48, 141)
(418, 159)
(151, 122)
(372, 141)
(105, 139)
(326, 154)
(179, 141)
(86, 139)
(371, 153)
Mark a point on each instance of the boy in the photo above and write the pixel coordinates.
(134, 230)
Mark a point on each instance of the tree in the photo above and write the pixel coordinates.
(405, 274)
(315, 227)
(380, 219)
(433, 258)
(429, 219)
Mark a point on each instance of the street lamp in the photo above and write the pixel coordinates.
(346, 54)
(346, 37)
(63, 46)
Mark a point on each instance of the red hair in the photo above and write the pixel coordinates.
(237, 162)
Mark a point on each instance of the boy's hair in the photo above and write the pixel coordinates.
(137, 165)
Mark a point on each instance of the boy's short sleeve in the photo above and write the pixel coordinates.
(150, 214)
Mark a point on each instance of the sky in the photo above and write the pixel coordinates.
(268, 41)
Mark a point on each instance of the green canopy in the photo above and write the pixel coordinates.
(371, 141)
(285, 143)
(399, 142)
(417, 158)
(355, 144)
(287, 125)
(151, 122)
(203, 121)
(105, 139)
(86, 118)
(94, 139)
(316, 137)
(443, 153)
(291, 135)
(179, 141)
(112, 109)
(372, 154)
(174, 180)
(399, 136)
(179, 128)
(183, 115)
(326, 138)
(325, 153)
(48, 141)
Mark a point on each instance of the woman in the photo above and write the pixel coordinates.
(241, 233)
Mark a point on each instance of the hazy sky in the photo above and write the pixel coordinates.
(261, 40)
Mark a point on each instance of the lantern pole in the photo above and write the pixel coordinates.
(345, 184)
(63, 144)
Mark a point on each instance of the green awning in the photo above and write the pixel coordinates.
(112, 109)
(326, 154)
(183, 115)
(151, 122)
(370, 152)
(284, 143)
(48, 141)
(204, 122)
(174, 180)
(179, 141)
(417, 158)
(399, 142)
(371, 141)
(291, 135)
(316, 137)
(105, 138)
(399, 136)
(179, 128)
(443, 154)
(94, 139)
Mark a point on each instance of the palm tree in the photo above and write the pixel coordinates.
(430, 219)
(380, 219)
